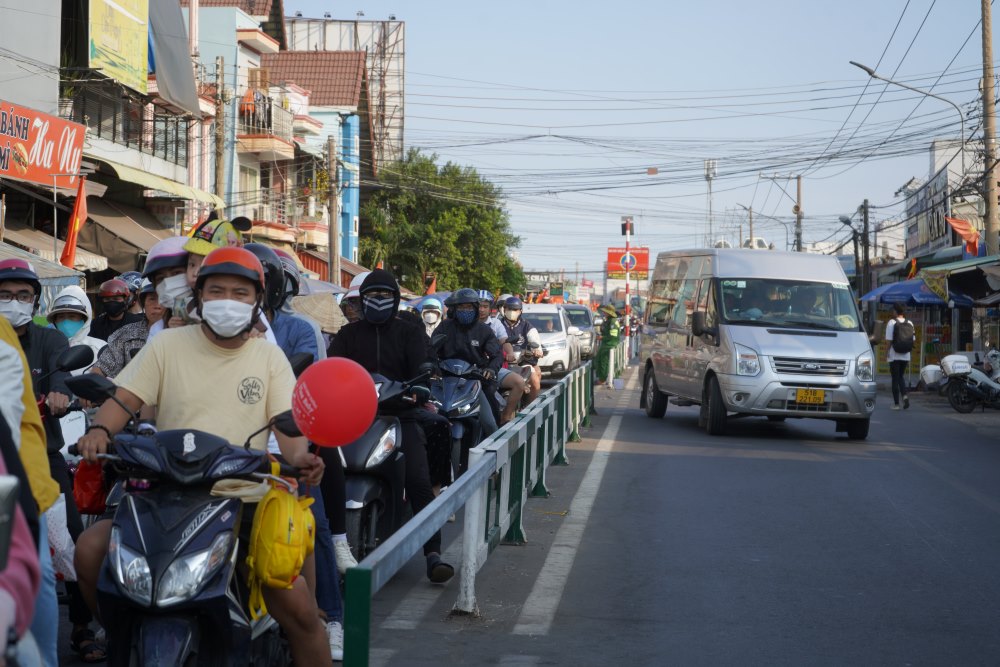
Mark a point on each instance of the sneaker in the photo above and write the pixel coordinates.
(906, 402)
(895, 406)
(345, 559)
(335, 635)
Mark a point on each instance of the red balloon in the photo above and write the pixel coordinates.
(334, 402)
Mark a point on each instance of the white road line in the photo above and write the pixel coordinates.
(520, 660)
(422, 595)
(540, 608)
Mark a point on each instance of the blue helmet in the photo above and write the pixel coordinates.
(513, 303)
(133, 279)
(486, 295)
(433, 304)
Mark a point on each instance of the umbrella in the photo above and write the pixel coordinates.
(914, 293)
(418, 303)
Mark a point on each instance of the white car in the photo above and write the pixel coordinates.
(559, 338)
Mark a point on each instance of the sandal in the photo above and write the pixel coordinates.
(84, 643)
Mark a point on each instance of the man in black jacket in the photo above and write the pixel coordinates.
(396, 348)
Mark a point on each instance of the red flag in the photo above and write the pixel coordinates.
(968, 233)
(76, 220)
(913, 269)
(432, 287)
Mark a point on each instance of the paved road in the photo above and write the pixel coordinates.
(779, 544)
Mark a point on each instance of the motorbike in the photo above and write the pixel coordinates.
(522, 365)
(375, 470)
(168, 591)
(969, 387)
(457, 392)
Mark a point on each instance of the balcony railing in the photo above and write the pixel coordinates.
(129, 124)
(261, 115)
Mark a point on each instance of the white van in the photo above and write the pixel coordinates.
(774, 334)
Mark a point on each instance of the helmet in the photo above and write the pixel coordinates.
(486, 295)
(355, 287)
(274, 274)
(513, 303)
(133, 279)
(433, 304)
(292, 274)
(215, 233)
(113, 288)
(464, 295)
(146, 289)
(231, 262)
(68, 302)
(166, 254)
(20, 269)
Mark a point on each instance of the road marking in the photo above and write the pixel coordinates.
(520, 660)
(422, 596)
(540, 608)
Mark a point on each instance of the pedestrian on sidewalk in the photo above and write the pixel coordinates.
(901, 335)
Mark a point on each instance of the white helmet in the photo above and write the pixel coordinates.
(354, 289)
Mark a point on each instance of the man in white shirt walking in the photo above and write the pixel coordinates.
(899, 332)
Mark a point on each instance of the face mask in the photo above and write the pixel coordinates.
(17, 313)
(377, 311)
(512, 315)
(431, 316)
(227, 318)
(114, 308)
(70, 327)
(466, 317)
(171, 289)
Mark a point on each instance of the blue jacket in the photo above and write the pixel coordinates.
(294, 335)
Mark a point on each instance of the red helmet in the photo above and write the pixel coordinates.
(232, 261)
(114, 287)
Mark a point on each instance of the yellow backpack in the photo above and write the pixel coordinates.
(283, 535)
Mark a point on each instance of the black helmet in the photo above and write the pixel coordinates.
(464, 295)
(274, 274)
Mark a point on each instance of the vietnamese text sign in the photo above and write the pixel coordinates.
(119, 40)
(636, 262)
(35, 145)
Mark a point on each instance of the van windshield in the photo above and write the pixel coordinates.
(788, 303)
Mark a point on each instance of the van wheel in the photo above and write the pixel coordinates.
(715, 412)
(857, 429)
(656, 401)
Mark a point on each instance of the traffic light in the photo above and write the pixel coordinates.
(627, 225)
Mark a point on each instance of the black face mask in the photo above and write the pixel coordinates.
(378, 311)
(114, 308)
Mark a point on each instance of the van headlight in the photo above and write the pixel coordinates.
(130, 569)
(747, 361)
(186, 576)
(864, 367)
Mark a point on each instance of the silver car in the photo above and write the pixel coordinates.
(583, 319)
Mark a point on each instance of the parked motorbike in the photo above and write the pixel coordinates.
(375, 469)
(457, 391)
(168, 591)
(969, 387)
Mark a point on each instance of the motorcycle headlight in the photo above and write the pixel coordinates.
(747, 361)
(864, 368)
(131, 570)
(386, 445)
(185, 576)
(461, 409)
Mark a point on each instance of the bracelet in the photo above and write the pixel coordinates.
(101, 427)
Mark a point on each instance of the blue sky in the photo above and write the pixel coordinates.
(567, 104)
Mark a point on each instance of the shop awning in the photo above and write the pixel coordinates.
(943, 278)
(154, 182)
(117, 235)
(40, 243)
(962, 266)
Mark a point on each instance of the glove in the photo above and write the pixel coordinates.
(488, 374)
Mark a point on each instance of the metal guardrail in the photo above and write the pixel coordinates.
(503, 470)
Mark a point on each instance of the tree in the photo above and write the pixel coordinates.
(445, 220)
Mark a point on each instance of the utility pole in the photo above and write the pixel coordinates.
(220, 128)
(866, 263)
(333, 231)
(798, 213)
(991, 225)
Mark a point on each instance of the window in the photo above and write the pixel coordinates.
(685, 302)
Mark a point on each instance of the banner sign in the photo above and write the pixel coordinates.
(119, 41)
(586, 282)
(555, 289)
(636, 262)
(35, 145)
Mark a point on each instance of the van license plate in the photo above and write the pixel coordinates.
(811, 396)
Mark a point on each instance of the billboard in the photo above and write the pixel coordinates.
(35, 145)
(636, 261)
(119, 41)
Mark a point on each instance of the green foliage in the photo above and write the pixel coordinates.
(440, 219)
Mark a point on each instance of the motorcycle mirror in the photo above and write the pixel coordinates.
(75, 358)
(285, 424)
(93, 387)
(300, 362)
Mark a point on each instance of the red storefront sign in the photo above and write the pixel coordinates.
(35, 145)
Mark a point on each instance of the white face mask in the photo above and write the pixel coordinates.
(512, 315)
(171, 289)
(431, 316)
(17, 313)
(226, 317)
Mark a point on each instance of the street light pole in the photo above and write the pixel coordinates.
(961, 116)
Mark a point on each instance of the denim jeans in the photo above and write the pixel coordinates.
(327, 575)
(45, 623)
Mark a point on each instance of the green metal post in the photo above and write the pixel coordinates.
(592, 410)
(518, 480)
(357, 624)
(574, 408)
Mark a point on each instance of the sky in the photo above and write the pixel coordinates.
(583, 112)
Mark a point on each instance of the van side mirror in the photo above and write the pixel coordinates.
(699, 326)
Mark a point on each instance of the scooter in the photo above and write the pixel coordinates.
(523, 366)
(168, 591)
(969, 387)
(457, 391)
(375, 470)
